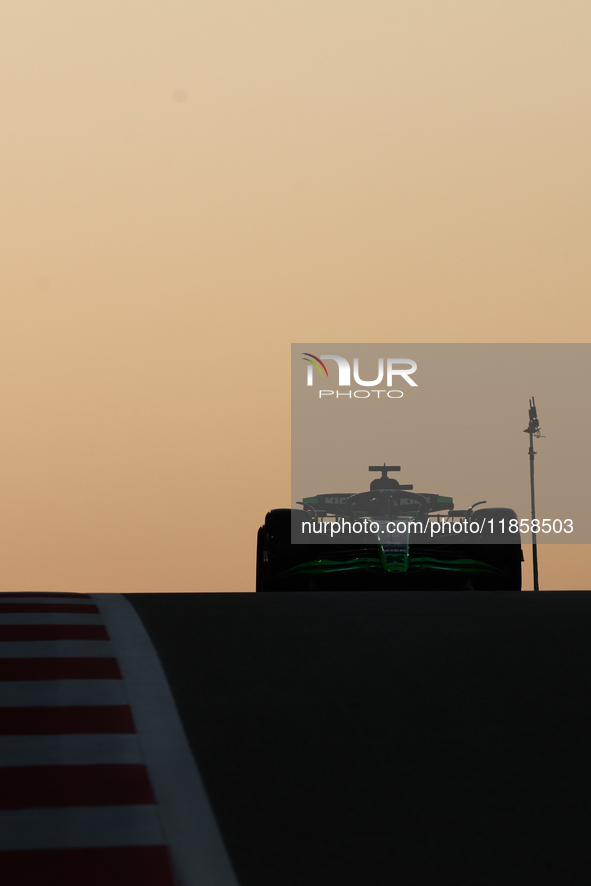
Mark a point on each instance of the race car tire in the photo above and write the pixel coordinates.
(501, 550)
(274, 553)
(505, 558)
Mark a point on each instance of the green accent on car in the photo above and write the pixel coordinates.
(392, 563)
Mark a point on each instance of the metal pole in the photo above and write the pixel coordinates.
(533, 429)
(534, 546)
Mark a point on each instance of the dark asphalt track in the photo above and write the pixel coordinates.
(428, 738)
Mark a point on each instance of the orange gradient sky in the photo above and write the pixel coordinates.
(188, 187)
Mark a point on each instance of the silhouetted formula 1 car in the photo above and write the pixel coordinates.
(388, 538)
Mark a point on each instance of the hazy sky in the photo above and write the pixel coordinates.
(188, 187)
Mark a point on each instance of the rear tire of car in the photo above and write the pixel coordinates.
(274, 554)
(505, 558)
(501, 550)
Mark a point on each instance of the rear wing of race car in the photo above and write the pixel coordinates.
(338, 504)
